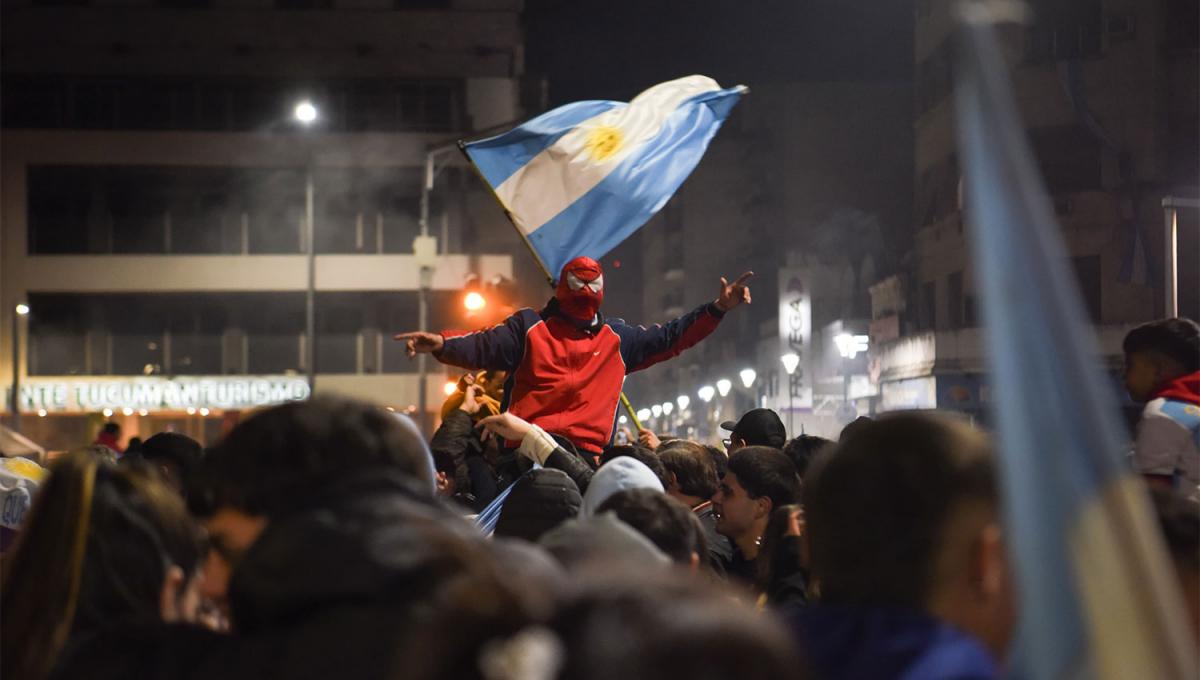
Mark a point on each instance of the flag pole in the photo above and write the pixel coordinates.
(462, 146)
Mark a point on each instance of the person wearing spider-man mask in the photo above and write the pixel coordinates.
(566, 363)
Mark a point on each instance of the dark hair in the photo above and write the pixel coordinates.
(638, 453)
(692, 467)
(659, 624)
(180, 451)
(854, 427)
(111, 428)
(802, 449)
(877, 505)
(773, 554)
(280, 459)
(1177, 339)
(94, 550)
(720, 461)
(765, 471)
(669, 524)
(1179, 519)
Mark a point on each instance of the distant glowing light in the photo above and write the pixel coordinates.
(305, 112)
(204, 412)
(127, 411)
(191, 410)
(108, 413)
(22, 309)
(450, 388)
(474, 301)
(41, 413)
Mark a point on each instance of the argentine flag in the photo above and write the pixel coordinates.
(1098, 598)
(580, 179)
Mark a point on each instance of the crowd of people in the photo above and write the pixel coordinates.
(327, 538)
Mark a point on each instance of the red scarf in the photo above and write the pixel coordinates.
(1185, 388)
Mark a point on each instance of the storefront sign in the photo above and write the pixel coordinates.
(161, 394)
(795, 335)
(914, 393)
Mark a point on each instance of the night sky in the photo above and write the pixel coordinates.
(613, 49)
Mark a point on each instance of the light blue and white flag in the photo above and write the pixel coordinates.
(580, 179)
(1097, 596)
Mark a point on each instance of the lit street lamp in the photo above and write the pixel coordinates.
(474, 301)
(19, 311)
(791, 360)
(849, 346)
(683, 400)
(644, 414)
(667, 407)
(706, 393)
(748, 376)
(723, 386)
(656, 410)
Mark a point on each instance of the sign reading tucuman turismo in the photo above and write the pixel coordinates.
(161, 394)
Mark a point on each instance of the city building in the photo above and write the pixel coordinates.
(1108, 92)
(806, 184)
(156, 187)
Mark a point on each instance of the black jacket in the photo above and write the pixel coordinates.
(327, 592)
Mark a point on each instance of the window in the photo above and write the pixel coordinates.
(1064, 29)
(954, 300)
(928, 306)
(235, 104)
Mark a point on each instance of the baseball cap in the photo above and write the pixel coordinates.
(758, 427)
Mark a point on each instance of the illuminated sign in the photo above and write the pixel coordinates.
(161, 394)
(795, 336)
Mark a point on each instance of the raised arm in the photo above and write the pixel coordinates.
(643, 347)
(497, 348)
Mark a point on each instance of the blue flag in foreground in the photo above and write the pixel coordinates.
(580, 179)
(1097, 598)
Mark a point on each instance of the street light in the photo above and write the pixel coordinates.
(644, 414)
(656, 410)
(706, 393)
(450, 387)
(849, 346)
(474, 301)
(723, 387)
(790, 361)
(747, 375)
(683, 401)
(667, 407)
(19, 311)
(306, 113)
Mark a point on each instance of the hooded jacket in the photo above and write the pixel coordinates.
(565, 375)
(618, 474)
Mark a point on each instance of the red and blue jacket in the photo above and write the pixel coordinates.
(566, 376)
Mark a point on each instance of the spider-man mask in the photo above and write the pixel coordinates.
(581, 289)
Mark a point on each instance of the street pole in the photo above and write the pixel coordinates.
(423, 287)
(16, 372)
(310, 319)
(791, 408)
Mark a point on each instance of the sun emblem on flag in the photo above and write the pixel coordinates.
(603, 142)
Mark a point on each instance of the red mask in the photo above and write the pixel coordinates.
(581, 289)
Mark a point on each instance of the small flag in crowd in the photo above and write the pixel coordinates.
(1097, 596)
(580, 179)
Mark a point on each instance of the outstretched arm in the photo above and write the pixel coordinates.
(643, 347)
(497, 348)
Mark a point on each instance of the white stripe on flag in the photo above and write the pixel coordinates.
(571, 167)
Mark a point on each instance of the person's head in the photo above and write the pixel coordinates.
(645, 625)
(619, 474)
(175, 456)
(854, 426)
(760, 479)
(720, 460)
(538, 502)
(1158, 352)
(639, 453)
(287, 458)
(111, 429)
(758, 427)
(669, 524)
(1179, 519)
(691, 475)
(905, 514)
(102, 545)
(580, 289)
(802, 449)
